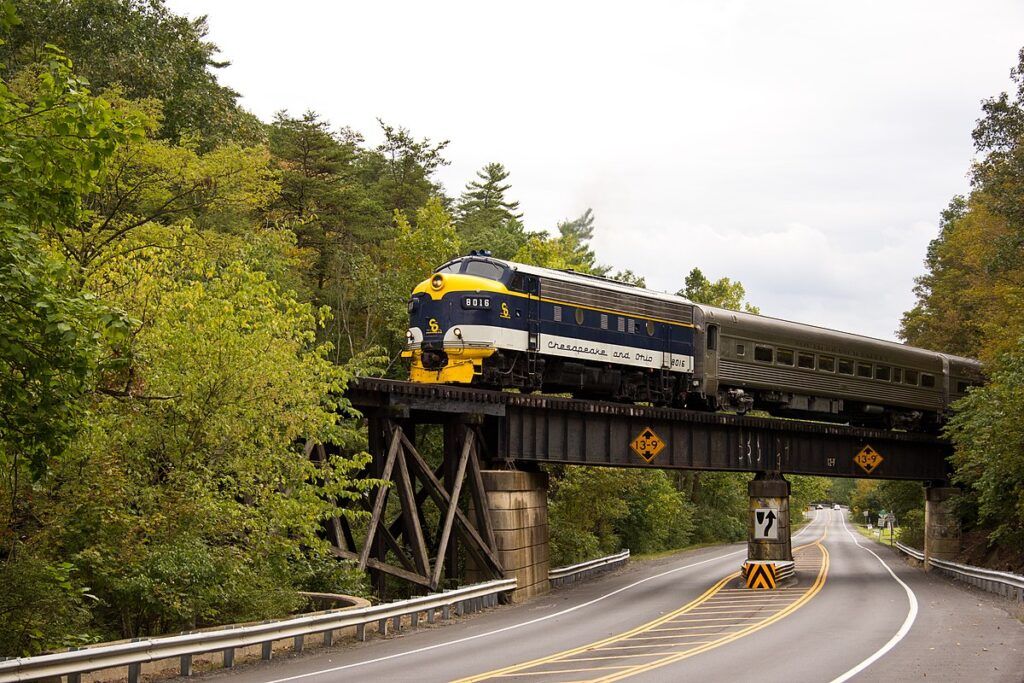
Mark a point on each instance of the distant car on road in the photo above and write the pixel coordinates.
(837, 507)
(819, 507)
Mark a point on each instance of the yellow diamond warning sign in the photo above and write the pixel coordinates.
(647, 444)
(868, 459)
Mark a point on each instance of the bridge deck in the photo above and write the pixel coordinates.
(538, 428)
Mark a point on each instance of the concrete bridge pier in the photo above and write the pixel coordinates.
(941, 524)
(769, 548)
(518, 506)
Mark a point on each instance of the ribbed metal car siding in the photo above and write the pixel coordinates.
(813, 382)
(596, 297)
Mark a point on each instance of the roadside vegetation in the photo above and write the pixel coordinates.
(185, 292)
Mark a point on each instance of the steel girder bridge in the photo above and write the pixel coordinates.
(485, 431)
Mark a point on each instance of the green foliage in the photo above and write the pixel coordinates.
(144, 48)
(971, 301)
(41, 606)
(723, 292)
(804, 490)
(640, 510)
(841, 490)
(569, 251)
(899, 497)
(988, 431)
(486, 218)
(720, 502)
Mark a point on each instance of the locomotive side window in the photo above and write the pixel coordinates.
(845, 366)
(712, 337)
(622, 324)
(897, 375)
(631, 326)
(784, 357)
(741, 350)
(927, 380)
(805, 360)
(826, 363)
(763, 353)
(882, 373)
(579, 316)
(863, 370)
(650, 328)
(557, 315)
(604, 321)
(910, 377)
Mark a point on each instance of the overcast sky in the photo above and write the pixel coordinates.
(804, 148)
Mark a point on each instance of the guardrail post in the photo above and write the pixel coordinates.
(396, 623)
(361, 633)
(134, 670)
(414, 619)
(74, 678)
(299, 642)
(229, 657)
(267, 650)
(382, 627)
(328, 638)
(446, 612)
(185, 666)
(431, 615)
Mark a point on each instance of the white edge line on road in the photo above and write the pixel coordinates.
(903, 630)
(522, 624)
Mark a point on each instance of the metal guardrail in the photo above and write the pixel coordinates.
(1001, 583)
(564, 576)
(133, 654)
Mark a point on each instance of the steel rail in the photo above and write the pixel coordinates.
(1006, 584)
(136, 652)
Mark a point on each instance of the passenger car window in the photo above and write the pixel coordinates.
(897, 374)
(826, 363)
(927, 380)
(910, 377)
(741, 350)
(784, 357)
(485, 269)
(805, 360)
(763, 353)
(882, 373)
(845, 366)
(961, 387)
(863, 370)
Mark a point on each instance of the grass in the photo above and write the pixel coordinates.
(886, 538)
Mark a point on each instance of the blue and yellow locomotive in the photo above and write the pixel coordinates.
(484, 321)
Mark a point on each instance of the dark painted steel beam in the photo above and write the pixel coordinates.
(532, 428)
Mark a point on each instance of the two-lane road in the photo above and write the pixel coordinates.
(857, 611)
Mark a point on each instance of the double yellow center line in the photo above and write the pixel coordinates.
(714, 614)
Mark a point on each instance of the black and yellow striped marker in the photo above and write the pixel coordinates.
(760, 575)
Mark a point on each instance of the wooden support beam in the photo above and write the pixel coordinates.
(411, 517)
(373, 563)
(382, 492)
(479, 493)
(475, 544)
(453, 506)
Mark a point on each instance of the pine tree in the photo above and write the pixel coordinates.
(486, 218)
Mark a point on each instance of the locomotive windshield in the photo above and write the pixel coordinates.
(477, 267)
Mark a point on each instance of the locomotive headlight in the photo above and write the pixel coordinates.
(409, 336)
(437, 282)
(457, 332)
